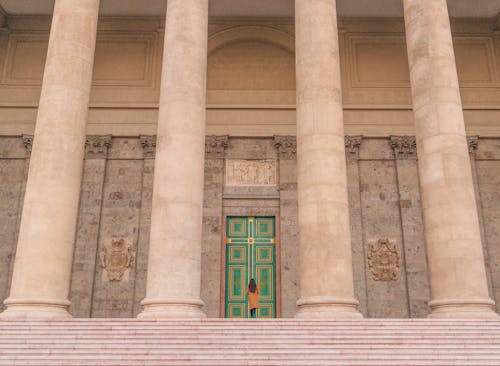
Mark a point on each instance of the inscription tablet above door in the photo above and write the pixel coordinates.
(256, 173)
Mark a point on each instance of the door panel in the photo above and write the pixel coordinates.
(250, 253)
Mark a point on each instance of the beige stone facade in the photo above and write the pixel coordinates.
(396, 206)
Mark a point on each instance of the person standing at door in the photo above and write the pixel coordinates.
(253, 298)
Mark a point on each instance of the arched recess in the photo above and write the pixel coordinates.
(251, 81)
(248, 32)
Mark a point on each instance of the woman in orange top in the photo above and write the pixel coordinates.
(253, 298)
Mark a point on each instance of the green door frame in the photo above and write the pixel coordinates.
(277, 262)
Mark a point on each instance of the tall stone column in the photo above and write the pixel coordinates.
(173, 280)
(42, 268)
(456, 264)
(326, 277)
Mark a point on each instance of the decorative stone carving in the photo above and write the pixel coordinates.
(116, 258)
(250, 172)
(405, 147)
(352, 144)
(28, 144)
(96, 146)
(287, 147)
(383, 260)
(473, 143)
(148, 143)
(215, 146)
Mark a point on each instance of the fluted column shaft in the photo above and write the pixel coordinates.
(42, 268)
(456, 263)
(173, 280)
(326, 277)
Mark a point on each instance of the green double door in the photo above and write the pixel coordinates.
(250, 253)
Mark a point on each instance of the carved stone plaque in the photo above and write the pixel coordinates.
(250, 172)
(383, 260)
(116, 258)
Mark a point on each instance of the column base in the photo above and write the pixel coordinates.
(172, 308)
(463, 309)
(33, 309)
(328, 308)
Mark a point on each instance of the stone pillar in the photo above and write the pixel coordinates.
(352, 147)
(412, 227)
(89, 222)
(456, 264)
(173, 280)
(326, 277)
(42, 268)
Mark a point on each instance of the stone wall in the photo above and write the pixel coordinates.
(115, 203)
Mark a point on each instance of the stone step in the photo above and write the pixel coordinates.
(274, 322)
(221, 342)
(242, 346)
(225, 362)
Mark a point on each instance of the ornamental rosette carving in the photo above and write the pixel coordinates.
(148, 143)
(96, 146)
(384, 261)
(405, 147)
(286, 146)
(352, 145)
(215, 146)
(28, 144)
(473, 144)
(116, 257)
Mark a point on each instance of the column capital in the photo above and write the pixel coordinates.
(215, 146)
(28, 144)
(148, 143)
(405, 147)
(96, 146)
(352, 145)
(286, 146)
(473, 144)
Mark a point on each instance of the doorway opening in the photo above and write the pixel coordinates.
(250, 248)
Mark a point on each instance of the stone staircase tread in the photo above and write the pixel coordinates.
(233, 326)
(260, 343)
(293, 322)
(402, 351)
(201, 346)
(360, 362)
(244, 357)
(249, 333)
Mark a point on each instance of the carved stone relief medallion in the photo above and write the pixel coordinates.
(383, 260)
(116, 258)
(250, 172)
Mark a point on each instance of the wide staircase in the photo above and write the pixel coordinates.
(217, 342)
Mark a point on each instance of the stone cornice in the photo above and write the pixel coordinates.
(148, 143)
(215, 146)
(286, 146)
(28, 144)
(352, 145)
(405, 147)
(96, 146)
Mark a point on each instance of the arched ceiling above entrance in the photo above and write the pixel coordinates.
(260, 8)
(255, 33)
(251, 65)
